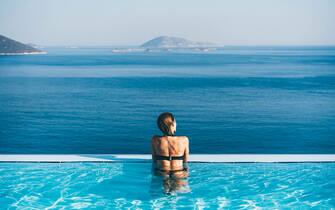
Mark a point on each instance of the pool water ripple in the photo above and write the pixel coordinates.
(131, 186)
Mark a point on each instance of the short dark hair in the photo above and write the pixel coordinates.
(164, 123)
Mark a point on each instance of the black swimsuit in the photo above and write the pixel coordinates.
(169, 158)
(159, 157)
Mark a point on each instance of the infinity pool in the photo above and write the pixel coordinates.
(131, 186)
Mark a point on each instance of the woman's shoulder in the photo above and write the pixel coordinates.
(179, 137)
(154, 137)
(185, 138)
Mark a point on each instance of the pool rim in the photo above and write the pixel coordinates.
(146, 158)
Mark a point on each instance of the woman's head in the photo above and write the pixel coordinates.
(167, 123)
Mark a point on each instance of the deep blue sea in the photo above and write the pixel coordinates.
(235, 100)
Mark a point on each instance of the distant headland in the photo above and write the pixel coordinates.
(11, 47)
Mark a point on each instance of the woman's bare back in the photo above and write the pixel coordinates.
(174, 146)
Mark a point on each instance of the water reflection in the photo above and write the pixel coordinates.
(169, 185)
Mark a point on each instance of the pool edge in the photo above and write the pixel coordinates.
(144, 158)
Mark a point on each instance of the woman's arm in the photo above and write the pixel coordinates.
(153, 152)
(186, 154)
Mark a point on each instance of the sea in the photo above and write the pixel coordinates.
(238, 99)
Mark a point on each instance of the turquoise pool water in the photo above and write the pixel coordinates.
(131, 186)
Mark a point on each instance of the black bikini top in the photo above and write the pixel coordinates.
(159, 157)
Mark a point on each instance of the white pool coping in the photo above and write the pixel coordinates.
(215, 158)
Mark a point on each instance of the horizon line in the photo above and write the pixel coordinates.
(216, 46)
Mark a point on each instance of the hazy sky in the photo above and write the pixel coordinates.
(128, 22)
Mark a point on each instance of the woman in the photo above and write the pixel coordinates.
(170, 153)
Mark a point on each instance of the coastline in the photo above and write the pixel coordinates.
(25, 53)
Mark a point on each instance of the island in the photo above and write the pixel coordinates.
(170, 44)
(11, 47)
(175, 42)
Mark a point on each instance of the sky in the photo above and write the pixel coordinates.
(132, 22)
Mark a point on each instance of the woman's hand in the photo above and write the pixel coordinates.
(185, 166)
